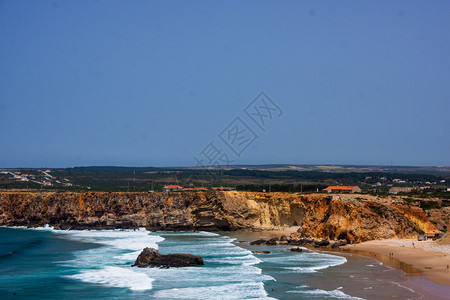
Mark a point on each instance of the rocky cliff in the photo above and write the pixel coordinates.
(319, 216)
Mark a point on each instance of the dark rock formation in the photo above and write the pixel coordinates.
(258, 242)
(290, 241)
(337, 244)
(273, 241)
(322, 243)
(260, 252)
(150, 257)
(296, 249)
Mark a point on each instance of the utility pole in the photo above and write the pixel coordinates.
(134, 180)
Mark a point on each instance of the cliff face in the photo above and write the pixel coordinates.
(318, 216)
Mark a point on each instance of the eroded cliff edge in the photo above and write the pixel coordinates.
(354, 219)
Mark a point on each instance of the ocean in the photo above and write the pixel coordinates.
(44, 263)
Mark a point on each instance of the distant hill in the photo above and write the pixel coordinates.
(436, 170)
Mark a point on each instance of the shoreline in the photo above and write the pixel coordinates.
(424, 265)
(425, 270)
(409, 255)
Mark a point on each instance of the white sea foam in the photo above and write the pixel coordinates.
(247, 260)
(312, 262)
(194, 275)
(109, 264)
(116, 277)
(194, 233)
(45, 227)
(307, 269)
(229, 264)
(402, 286)
(14, 227)
(129, 256)
(251, 290)
(121, 239)
(212, 247)
(337, 293)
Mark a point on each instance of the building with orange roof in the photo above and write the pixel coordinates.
(222, 188)
(342, 189)
(172, 188)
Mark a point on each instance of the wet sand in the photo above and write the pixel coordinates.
(411, 256)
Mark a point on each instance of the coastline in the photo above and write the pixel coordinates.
(424, 264)
(408, 255)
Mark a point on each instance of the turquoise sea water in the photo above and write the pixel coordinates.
(56, 264)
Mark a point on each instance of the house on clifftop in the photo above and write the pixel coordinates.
(400, 189)
(342, 189)
(171, 188)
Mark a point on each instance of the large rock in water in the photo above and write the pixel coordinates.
(150, 257)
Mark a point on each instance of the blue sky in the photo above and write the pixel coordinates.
(152, 83)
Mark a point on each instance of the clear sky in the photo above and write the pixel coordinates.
(152, 83)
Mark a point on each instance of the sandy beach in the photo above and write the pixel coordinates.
(409, 255)
(424, 263)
